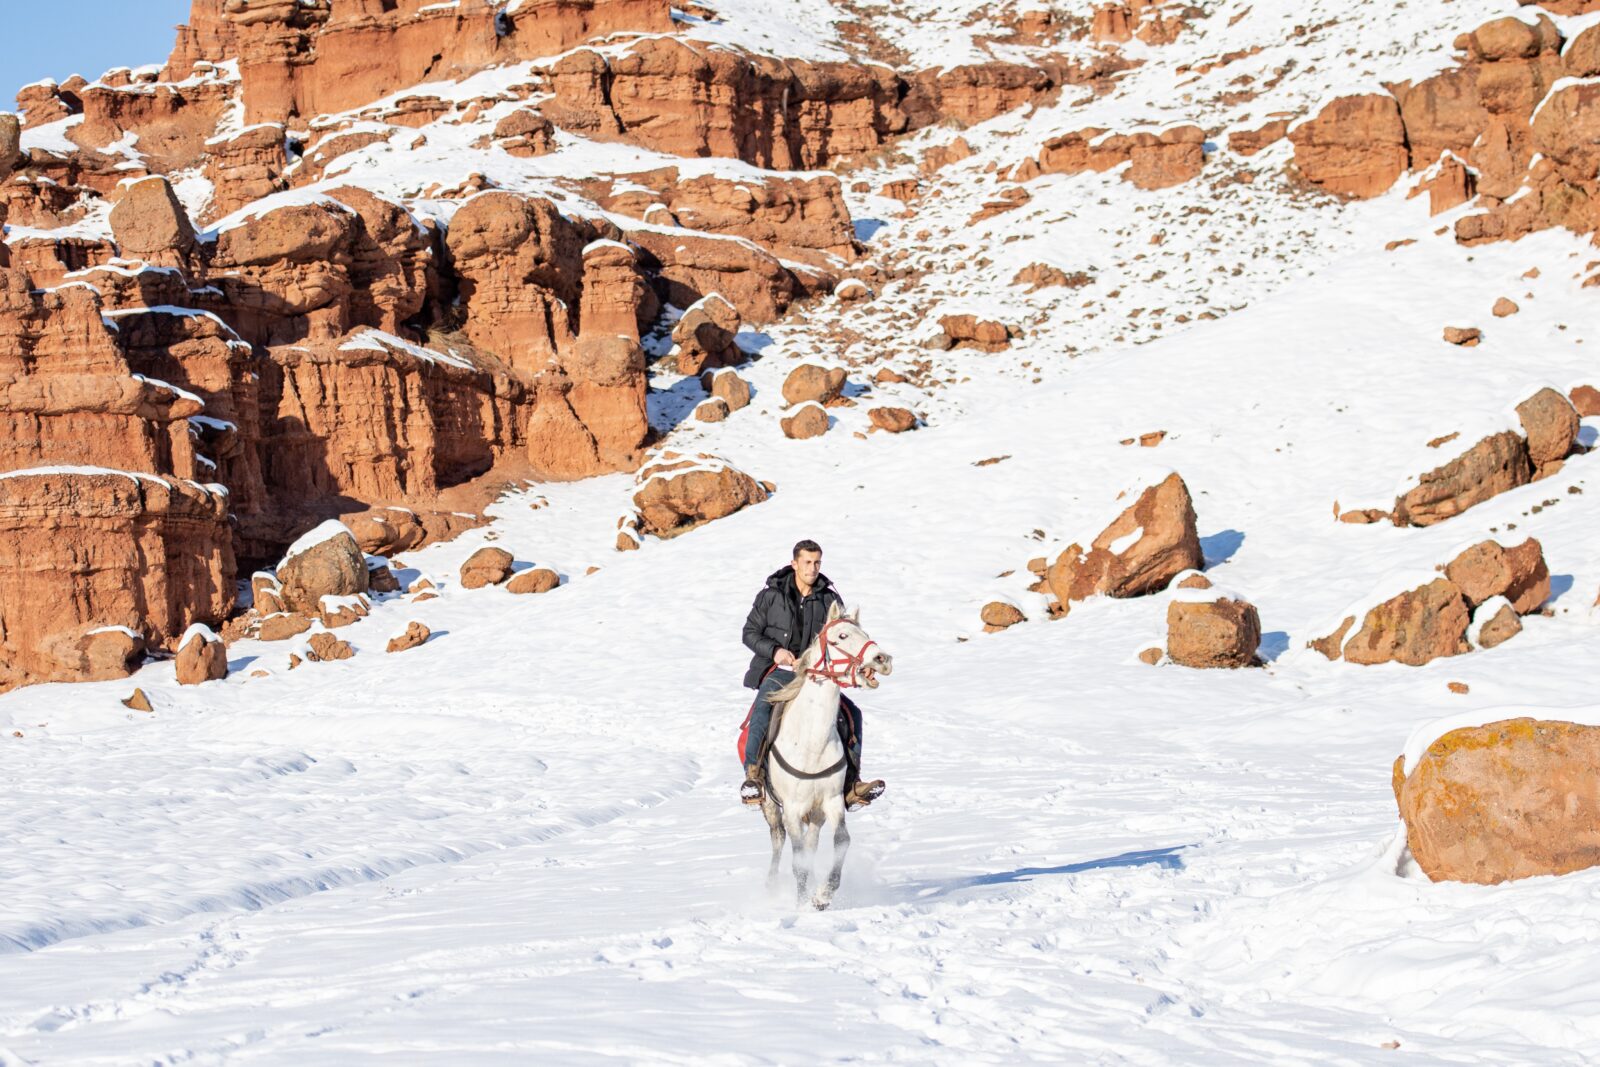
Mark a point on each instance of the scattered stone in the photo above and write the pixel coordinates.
(713, 410)
(1551, 425)
(1494, 623)
(337, 611)
(727, 386)
(380, 577)
(998, 615)
(1510, 799)
(137, 701)
(414, 635)
(326, 647)
(1194, 581)
(1152, 656)
(969, 331)
(266, 595)
(1213, 633)
(809, 383)
(1458, 687)
(808, 421)
(892, 420)
(420, 584)
(1488, 570)
(536, 580)
(1495, 464)
(487, 566)
(1504, 307)
(420, 597)
(1585, 400)
(281, 626)
(1465, 336)
(704, 336)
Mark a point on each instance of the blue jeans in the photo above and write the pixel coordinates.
(761, 715)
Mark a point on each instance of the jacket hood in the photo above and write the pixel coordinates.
(782, 580)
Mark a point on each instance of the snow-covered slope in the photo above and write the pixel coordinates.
(520, 842)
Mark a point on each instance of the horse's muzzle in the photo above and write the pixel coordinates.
(881, 663)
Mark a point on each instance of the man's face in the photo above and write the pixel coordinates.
(807, 565)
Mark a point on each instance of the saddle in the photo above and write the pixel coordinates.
(846, 736)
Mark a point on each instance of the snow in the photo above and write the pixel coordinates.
(379, 341)
(130, 631)
(1126, 541)
(200, 630)
(182, 394)
(84, 470)
(325, 531)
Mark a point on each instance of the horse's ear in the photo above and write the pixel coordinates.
(855, 615)
(834, 611)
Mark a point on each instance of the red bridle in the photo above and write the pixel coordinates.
(840, 671)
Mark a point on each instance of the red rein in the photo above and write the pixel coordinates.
(839, 671)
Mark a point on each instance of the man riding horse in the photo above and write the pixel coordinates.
(788, 613)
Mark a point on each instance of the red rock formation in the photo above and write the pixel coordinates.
(696, 100)
(1550, 424)
(1164, 543)
(245, 167)
(1355, 146)
(1510, 799)
(1158, 159)
(169, 123)
(82, 549)
(299, 59)
(892, 419)
(998, 615)
(202, 657)
(794, 217)
(1249, 142)
(486, 566)
(689, 266)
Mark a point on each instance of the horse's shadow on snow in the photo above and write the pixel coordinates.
(1165, 858)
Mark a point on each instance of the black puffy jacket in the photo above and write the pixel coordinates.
(780, 619)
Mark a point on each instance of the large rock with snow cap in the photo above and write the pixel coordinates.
(1208, 629)
(704, 336)
(202, 657)
(325, 561)
(1509, 799)
(677, 493)
(149, 221)
(1151, 542)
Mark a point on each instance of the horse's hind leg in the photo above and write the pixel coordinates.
(774, 814)
(834, 815)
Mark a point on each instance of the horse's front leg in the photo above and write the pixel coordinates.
(813, 829)
(802, 853)
(774, 814)
(834, 815)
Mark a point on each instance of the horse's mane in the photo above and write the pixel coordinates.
(809, 657)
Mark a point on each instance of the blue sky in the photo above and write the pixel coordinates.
(57, 38)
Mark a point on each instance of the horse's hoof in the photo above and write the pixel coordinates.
(818, 904)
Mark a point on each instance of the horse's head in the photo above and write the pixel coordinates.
(847, 642)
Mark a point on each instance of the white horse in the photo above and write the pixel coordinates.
(806, 761)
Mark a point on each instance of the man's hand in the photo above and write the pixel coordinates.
(783, 658)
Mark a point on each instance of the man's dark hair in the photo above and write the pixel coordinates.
(807, 545)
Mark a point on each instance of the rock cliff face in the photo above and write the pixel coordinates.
(300, 59)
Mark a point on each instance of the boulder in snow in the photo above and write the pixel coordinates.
(414, 634)
(487, 566)
(324, 562)
(202, 657)
(1509, 799)
(1149, 544)
(534, 580)
(1219, 632)
(809, 420)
